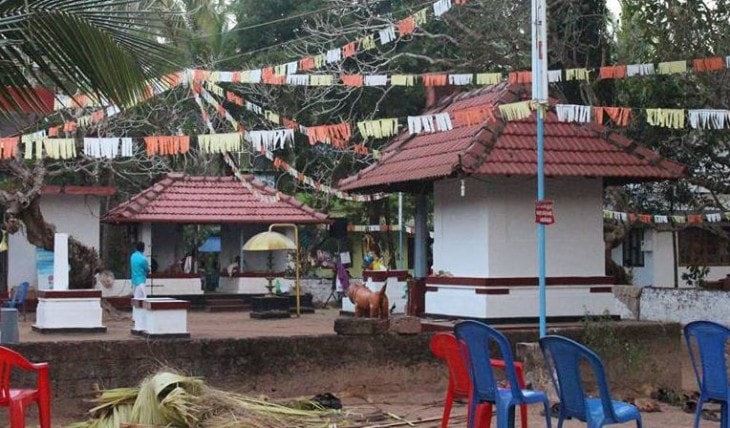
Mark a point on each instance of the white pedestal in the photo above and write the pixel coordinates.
(69, 311)
(249, 284)
(166, 318)
(474, 298)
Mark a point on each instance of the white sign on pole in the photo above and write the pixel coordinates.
(539, 52)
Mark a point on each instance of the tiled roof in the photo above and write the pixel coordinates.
(179, 198)
(509, 148)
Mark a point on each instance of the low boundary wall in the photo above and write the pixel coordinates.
(680, 305)
(293, 366)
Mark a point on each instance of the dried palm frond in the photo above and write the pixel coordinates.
(171, 400)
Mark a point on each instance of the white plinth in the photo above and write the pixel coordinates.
(516, 302)
(69, 311)
(249, 285)
(165, 318)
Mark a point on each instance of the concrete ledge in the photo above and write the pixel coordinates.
(347, 326)
(164, 336)
(63, 330)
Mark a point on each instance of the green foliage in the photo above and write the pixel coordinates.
(695, 275)
(626, 357)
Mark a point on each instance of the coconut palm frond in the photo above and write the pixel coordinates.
(105, 47)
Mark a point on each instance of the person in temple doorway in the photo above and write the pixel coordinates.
(139, 269)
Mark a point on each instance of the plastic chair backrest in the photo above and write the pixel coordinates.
(563, 358)
(21, 293)
(445, 347)
(477, 338)
(8, 360)
(711, 339)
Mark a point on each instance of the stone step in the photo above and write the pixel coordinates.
(226, 305)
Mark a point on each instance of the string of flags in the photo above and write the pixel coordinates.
(284, 166)
(629, 218)
(272, 77)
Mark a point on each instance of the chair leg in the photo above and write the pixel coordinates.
(724, 416)
(17, 415)
(448, 403)
(471, 416)
(505, 416)
(638, 422)
(561, 419)
(548, 415)
(44, 413)
(523, 415)
(484, 415)
(698, 413)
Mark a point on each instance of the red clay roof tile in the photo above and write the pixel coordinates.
(178, 198)
(508, 148)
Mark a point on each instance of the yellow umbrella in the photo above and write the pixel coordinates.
(269, 241)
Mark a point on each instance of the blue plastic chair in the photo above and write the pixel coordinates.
(563, 358)
(711, 372)
(17, 298)
(478, 338)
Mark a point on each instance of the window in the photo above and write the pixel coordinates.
(701, 247)
(633, 255)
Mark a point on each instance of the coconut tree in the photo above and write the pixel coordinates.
(106, 48)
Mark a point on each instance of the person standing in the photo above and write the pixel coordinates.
(139, 269)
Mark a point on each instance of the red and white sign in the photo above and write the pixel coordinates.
(544, 212)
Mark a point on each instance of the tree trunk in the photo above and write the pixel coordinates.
(83, 260)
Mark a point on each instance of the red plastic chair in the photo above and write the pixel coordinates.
(18, 399)
(445, 347)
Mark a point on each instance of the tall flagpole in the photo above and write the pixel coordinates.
(540, 97)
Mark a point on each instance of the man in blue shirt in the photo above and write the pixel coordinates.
(139, 269)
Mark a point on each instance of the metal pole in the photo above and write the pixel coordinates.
(420, 268)
(540, 96)
(401, 226)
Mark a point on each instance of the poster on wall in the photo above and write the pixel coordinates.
(44, 268)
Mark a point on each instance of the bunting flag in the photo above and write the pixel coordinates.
(403, 79)
(555, 76)
(280, 164)
(101, 148)
(60, 148)
(709, 119)
(516, 111)
(489, 78)
(354, 80)
(441, 7)
(33, 143)
(337, 135)
(678, 219)
(376, 80)
(435, 79)
(407, 26)
(639, 70)
(461, 79)
(270, 139)
(387, 35)
(613, 72)
(127, 147)
(8, 147)
(577, 74)
(573, 113)
(429, 123)
(261, 196)
(673, 67)
(666, 118)
(380, 128)
(220, 143)
(167, 145)
(474, 116)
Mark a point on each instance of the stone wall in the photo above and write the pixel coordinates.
(309, 365)
(684, 305)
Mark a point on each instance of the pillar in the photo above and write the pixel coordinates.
(420, 268)
(60, 261)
